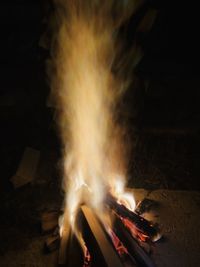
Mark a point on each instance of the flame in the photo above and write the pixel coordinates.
(85, 92)
(122, 197)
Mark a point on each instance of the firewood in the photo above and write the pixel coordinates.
(49, 221)
(64, 242)
(142, 224)
(145, 206)
(52, 243)
(109, 254)
(132, 245)
(27, 168)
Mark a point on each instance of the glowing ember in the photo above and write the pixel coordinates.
(135, 232)
(117, 243)
(87, 257)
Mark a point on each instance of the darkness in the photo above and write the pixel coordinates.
(162, 112)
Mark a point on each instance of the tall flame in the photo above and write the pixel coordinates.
(85, 93)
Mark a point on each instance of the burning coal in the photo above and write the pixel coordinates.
(85, 92)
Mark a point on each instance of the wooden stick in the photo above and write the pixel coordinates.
(52, 243)
(64, 243)
(49, 220)
(109, 254)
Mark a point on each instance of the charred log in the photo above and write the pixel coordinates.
(142, 224)
(132, 245)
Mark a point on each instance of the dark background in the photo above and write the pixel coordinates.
(163, 113)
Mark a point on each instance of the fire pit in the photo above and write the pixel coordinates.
(177, 213)
(115, 239)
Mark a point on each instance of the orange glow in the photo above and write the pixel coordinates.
(87, 257)
(135, 232)
(117, 243)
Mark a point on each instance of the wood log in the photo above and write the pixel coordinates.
(52, 243)
(27, 168)
(108, 252)
(132, 245)
(64, 243)
(49, 221)
(142, 224)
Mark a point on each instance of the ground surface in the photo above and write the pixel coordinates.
(178, 218)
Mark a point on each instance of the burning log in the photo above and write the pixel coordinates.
(125, 256)
(132, 245)
(76, 256)
(109, 254)
(141, 224)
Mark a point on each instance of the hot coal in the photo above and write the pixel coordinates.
(142, 224)
(134, 249)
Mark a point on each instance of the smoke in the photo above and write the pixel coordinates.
(85, 91)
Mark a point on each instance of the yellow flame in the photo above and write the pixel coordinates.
(122, 197)
(85, 92)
